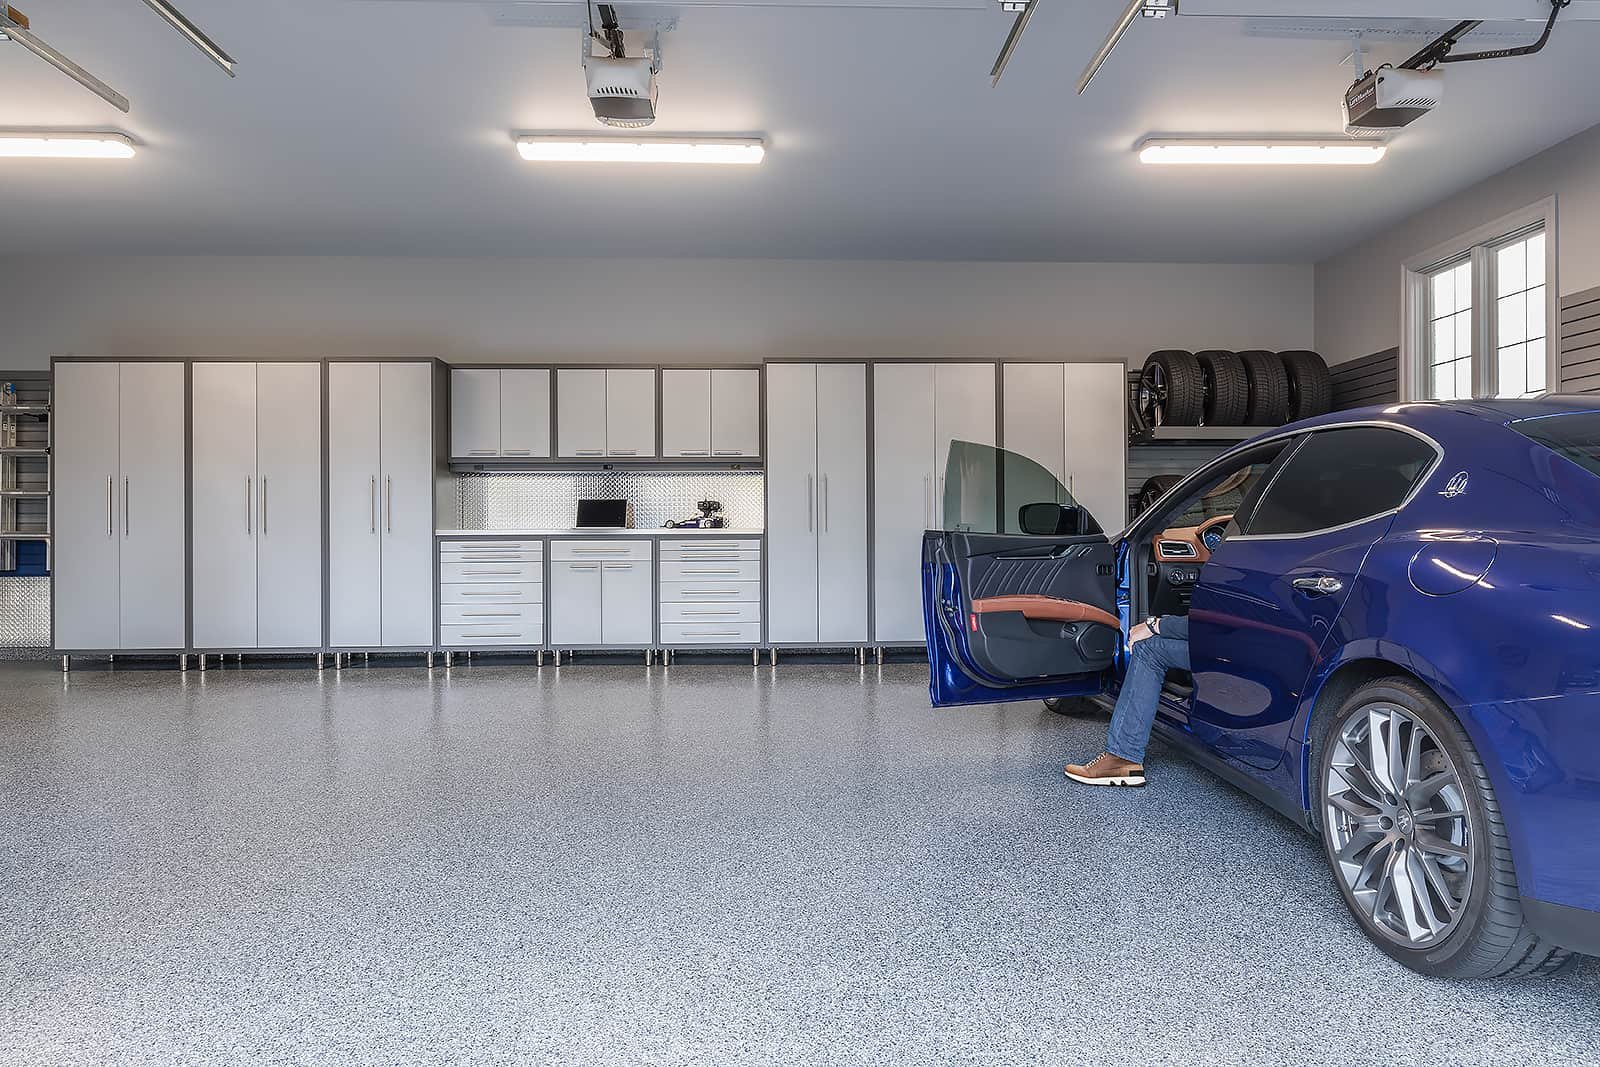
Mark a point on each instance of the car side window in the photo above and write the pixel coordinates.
(1339, 477)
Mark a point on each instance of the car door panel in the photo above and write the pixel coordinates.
(1014, 617)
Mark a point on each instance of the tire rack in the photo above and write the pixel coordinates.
(1178, 450)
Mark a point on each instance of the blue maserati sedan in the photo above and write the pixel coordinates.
(1394, 641)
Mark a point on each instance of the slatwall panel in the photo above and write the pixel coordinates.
(1373, 379)
(1580, 342)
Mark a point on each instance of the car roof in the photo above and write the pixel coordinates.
(1423, 414)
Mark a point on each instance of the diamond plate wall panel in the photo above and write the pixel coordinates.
(24, 615)
(548, 500)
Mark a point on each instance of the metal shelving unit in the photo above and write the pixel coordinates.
(24, 465)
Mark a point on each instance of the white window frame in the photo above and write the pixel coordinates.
(1480, 244)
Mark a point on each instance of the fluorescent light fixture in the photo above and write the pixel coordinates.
(65, 146)
(1206, 151)
(580, 149)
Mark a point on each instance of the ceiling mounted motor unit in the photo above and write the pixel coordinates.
(1392, 97)
(622, 88)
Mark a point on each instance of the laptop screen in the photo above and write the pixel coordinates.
(602, 513)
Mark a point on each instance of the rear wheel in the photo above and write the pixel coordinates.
(1415, 838)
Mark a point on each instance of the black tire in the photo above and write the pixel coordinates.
(1310, 384)
(1227, 387)
(1492, 938)
(1269, 389)
(1153, 489)
(1175, 381)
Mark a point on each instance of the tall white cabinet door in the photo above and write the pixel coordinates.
(580, 413)
(525, 413)
(289, 505)
(1034, 407)
(965, 405)
(355, 546)
(686, 413)
(735, 413)
(406, 441)
(154, 526)
(630, 412)
(474, 413)
(226, 515)
(85, 443)
(841, 435)
(791, 455)
(626, 600)
(1096, 440)
(575, 617)
(903, 490)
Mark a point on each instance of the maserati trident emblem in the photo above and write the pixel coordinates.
(1455, 486)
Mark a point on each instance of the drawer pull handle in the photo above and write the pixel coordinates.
(730, 452)
(711, 613)
(491, 635)
(491, 614)
(710, 592)
(704, 571)
(482, 452)
(494, 592)
(692, 452)
(490, 572)
(711, 633)
(519, 451)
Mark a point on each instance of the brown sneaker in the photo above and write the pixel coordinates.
(1106, 769)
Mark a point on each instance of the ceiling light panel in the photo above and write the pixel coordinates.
(1263, 153)
(700, 150)
(32, 145)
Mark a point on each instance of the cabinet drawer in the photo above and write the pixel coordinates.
(710, 612)
(508, 616)
(531, 548)
(738, 633)
(637, 549)
(733, 570)
(511, 633)
(704, 590)
(507, 573)
(486, 593)
(491, 557)
(669, 546)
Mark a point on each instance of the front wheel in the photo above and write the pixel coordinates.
(1416, 840)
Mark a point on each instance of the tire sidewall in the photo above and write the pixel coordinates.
(1447, 958)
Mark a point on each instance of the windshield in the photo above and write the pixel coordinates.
(1576, 436)
(991, 490)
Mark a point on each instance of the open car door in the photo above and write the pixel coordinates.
(1022, 615)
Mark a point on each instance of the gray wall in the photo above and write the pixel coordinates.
(641, 310)
(1358, 291)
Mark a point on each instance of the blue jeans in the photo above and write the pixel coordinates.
(1135, 713)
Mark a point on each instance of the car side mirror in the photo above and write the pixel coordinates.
(1050, 520)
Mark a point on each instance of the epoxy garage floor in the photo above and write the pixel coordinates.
(702, 864)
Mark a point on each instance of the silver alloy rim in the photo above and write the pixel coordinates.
(1397, 819)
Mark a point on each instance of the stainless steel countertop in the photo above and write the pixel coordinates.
(603, 534)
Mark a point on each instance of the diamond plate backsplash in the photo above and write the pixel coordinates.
(548, 500)
(24, 616)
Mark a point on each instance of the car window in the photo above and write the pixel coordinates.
(1228, 493)
(1576, 436)
(991, 490)
(1341, 476)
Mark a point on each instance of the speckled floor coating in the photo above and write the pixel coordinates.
(701, 864)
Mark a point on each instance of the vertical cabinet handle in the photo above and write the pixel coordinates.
(249, 494)
(388, 503)
(372, 504)
(111, 507)
(127, 508)
(263, 505)
(824, 503)
(811, 522)
(927, 495)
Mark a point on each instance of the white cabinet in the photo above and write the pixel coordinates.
(711, 412)
(499, 413)
(380, 504)
(1070, 418)
(600, 593)
(525, 413)
(257, 512)
(710, 592)
(491, 593)
(120, 536)
(919, 409)
(609, 412)
(686, 413)
(816, 457)
(630, 412)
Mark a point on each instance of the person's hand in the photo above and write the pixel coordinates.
(1139, 632)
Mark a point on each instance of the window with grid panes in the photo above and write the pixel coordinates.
(1449, 373)
(1519, 317)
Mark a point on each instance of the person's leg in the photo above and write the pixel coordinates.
(1135, 713)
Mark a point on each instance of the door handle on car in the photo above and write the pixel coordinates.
(1321, 585)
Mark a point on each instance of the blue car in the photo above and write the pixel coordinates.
(1394, 619)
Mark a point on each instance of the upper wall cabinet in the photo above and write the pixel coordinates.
(711, 413)
(500, 413)
(606, 412)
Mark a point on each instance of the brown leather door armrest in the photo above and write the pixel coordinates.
(1048, 608)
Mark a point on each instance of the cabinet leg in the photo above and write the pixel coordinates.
(429, 658)
(201, 658)
(183, 662)
(449, 660)
(773, 654)
(66, 664)
(538, 658)
(321, 664)
(880, 655)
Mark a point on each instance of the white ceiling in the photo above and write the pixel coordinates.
(383, 127)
